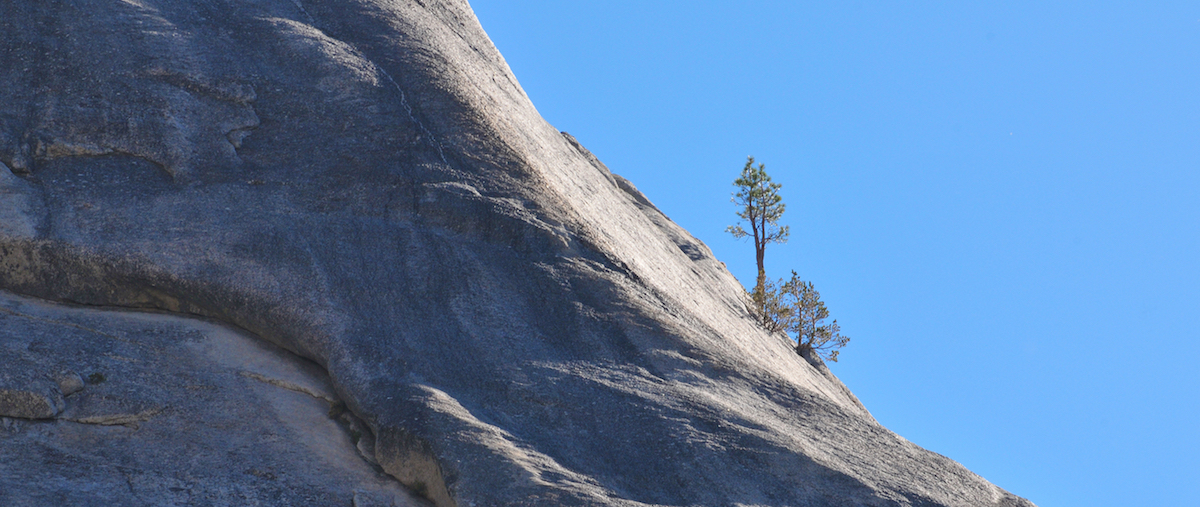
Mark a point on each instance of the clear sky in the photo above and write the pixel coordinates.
(999, 202)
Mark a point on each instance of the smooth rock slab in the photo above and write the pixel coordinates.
(171, 411)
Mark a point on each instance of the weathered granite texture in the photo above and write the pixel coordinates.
(364, 184)
(161, 410)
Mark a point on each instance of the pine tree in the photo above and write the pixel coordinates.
(806, 320)
(761, 206)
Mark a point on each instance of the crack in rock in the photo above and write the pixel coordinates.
(118, 419)
(289, 386)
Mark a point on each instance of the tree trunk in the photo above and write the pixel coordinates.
(760, 249)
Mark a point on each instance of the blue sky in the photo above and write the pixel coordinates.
(999, 202)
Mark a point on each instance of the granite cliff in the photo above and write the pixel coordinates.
(326, 252)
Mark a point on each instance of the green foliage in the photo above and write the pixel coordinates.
(96, 378)
(420, 488)
(760, 206)
(336, 410)
(793, 307)
(769, 307)
(805, 320)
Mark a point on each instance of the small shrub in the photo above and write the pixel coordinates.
(336, 410)
(795, 307)
(420, 488)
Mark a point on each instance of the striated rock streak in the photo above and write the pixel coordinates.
(364, 183)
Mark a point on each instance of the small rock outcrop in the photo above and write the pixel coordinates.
(450, 294)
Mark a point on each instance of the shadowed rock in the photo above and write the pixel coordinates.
(364, 183)
(172, 411)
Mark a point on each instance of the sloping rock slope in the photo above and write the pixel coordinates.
(364, 184)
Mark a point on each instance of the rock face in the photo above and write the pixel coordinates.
(161, 410)
(363, 184)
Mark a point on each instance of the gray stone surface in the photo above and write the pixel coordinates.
(171, 411)
(364, 184)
